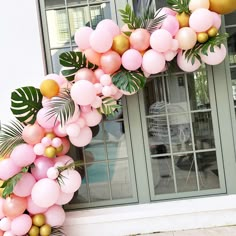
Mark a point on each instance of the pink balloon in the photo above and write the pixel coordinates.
(71, 181)
(97, 102)
(106, 91)
(64, 198)
(5, 224)
(216, 20)
(46, 141)
(58, 78)
(98, 73)
(1, 203)
(216, 57)
(92, 56)
(21, 224)
(56, 142)
(201, 20)
(92, 118)
(44, 120)
(132, 59)
(53, 211)
(52, 173)
(59, 131)
(66, 147)
(110, 62)
(84, 137)
(8, 169)
(39, 149)
(34, 209)
(153, 62)
(171, 24)
(64, 159)
(118, 95)
(75, 116)
(170, 55)
(85, 74)
(186, 37)
(110, 26)
(105, 79)
(24, 186)
(8, 233)
(45, 192)
(41, 165)
(99, 45)
(82, 36)
(83, 92)
(140, 39)
(167, 11)
(32, 134)
(73, 129)
(196, 4)
(85, 109)
(187, 65)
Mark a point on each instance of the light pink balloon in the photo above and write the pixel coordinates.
(44, 120)
(64, 198)
(83, 139)
(59, 131)
(58, 78)
(166, 11)
(106, 91)
(32, 134)
(83, 92)
(110, 62)
(82, 36)
(66, 146)
(56, 142)
(41, 165)
(196, 4)
(201, 20)
(216, 57)
(175, 45)
(52, 173)
(85, 74)
(98, 45)
(5, 224)
(186, 37)
(8, 169)
(118, 95)
(105, 80)
(110, 26)
(98, 73)
(98, 87)
(187, 65)
(171, 24)
(132, 59)
(34, 209)
(23, 155)
(153, 62)
(73, 129)
(39, 149)
(97, 102)
(170, 55)
(64, 159)
(140, 39)
(92, 118)
(55, 216)
(75, 116)
(8, 233)
(216, 20)
(24, 186)
(45, 192)
(71, 181)
(21, 224)
(46, 141)
(1, 203)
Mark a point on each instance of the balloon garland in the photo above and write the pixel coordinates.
(37, 176)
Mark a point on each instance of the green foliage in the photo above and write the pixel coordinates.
(109, 106)
(73, 61)
(57, 231)
(25, 104)
(10, 137)
(129, 81)
(179, 5)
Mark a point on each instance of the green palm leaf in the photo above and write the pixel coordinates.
(109, 105)
(73, 61)
(58, 231)
(62, 107)
(10, 137)
(130, 81)
(25, 104)
(179, 5)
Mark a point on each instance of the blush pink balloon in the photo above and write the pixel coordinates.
(8, 169)
(85, 74)
(8, 233)
(171, 24)
(82, 36)
(110, 26)
(1, 212)
(45, 192)
(186, 65)
(170, 55)
(140, 39)
(132, 59)
(92, 56)
(216, 20)
(34, 209)
(201, 20)
(105, 80)
(39, 149)
(59, 131)
(98, 87)
(21, 224)
(64, 159)
(64, 198)
(92, 118)
(58, 78)
(167, 11)
(32, 134)
(98, 73)
(84, 137)
(97, 102)
(44, 120)
(106, 91)
(5, 224)
(53, 211)
(24, 186)
(186, 37)
(73, 129)
(85, 109)
(110, 62)
(66, 147)
(196, 4)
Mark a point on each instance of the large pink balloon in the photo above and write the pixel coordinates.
(24, 186)
(171, 24)
(44, 119)
(33, 134)
(196, 4)
(71, 181)
(216, 20)
(8, 169)
(153, 62)
(64, 159)
(110, 62)
(23, 155)
(41, 166)
(85, 74)
(34, 209)
(45, 192)
(84, 137)
(216, 57)
(132, 59)
(1, 212)
(140, 39)
(82, 37)
(83, 92)
(186, 65)
(186, 37)
(201, 20)
(110, 26)
(64, 198)
(21, 224)
(92, 118)
(53, 211)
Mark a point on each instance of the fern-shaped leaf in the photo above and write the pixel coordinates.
(129, 81)
(25, 104)
(57, 231)
(109, 106)
(61, 107)
(10, 137)
(179, 5)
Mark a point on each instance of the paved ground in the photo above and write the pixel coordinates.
(221, 231)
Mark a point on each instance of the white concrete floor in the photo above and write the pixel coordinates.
(219, 231)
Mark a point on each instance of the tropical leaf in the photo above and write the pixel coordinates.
(25, 104)
(129, 81)
(179, 5)
(61, 106)
(73, 61)
(109, 106)
(10, 137)
(57, 231)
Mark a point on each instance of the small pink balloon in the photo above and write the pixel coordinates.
(114, 89)
(171, 24)
(32, 134)
(52, 173)
(59, 131)
(66, 147)
(53, 211)
(167, 11)
(110, 62)
(21, 224)
(97, 102)
(84, 137)
(106, 91)
(65, 160)
(85, 74)
(186, 37)
(216, 20)
(105, 80)
(8, 233)
(132, 59)
(58, 78)
(5, 224)
(98, 87)
(8, 169)
(92, 118)
(186, 65)
(64, 198)
(170, 55)
(175, 45)
(1, 212)
(98, 73)
(85, 109)
(44, 119)
(56, 142)
(110, 26)
(34, 209)
(73, 130)
(39, 149)
(196, 4)
(81, 122)
(118, 95)
(46, 141)
(139, 39)
(82, 36)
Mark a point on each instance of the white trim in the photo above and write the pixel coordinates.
(155, 217)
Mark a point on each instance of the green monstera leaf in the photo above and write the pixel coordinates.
(109, 106)
(25, 104)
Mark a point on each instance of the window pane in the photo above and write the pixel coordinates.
(54, 3)
(232, 45)
(230, 19)
(55, 59)
(233, 79)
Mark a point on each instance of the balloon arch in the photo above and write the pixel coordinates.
(37, 176)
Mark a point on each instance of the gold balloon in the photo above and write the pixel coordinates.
(202, 37)
(223, 6)
(212, 32)
(45, 230)
(38, 220)
(183, 19)
(50, 135)
(59, 149)
(34, 231)
(120, 44)
(50, 152)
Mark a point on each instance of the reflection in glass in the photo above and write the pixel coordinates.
(120, 179)
(203, 130)
(232, 45)
(81, 196)
(230, 19)
(208, 170)
(55, 62)
(54, 3)
(233, 81)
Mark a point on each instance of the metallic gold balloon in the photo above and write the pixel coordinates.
(50, 152)
(45, 230)
(202, 37)
(212, 32)
(39, 220)
(34, 231)
(223, 6)
(120, 44)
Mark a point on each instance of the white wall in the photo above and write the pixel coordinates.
(21, 59)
